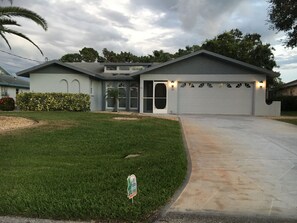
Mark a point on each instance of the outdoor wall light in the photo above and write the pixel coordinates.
(172, 84)
(261, 84)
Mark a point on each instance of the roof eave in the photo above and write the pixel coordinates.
(26, 73)
(228, 59)
(14, 85)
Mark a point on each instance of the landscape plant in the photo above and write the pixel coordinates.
(30, 101)
(7, 104)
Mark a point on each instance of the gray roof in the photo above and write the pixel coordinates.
(71, 66)
(214, 55)
(8, 80)
(95, 70)
(290, 84)
(129, 64)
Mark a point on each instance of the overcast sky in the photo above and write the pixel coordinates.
(138, 26)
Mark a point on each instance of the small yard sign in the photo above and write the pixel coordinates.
(132, 186)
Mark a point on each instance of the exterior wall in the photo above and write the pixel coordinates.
(68, 83)
(259, 105)
(289, 91)
(96, 95)
(11, 91)
(53, 83)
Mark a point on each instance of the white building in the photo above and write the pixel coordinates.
(199, 83)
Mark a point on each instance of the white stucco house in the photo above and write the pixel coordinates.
(199, 83)
(10, 85)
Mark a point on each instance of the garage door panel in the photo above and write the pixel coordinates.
(215, 98)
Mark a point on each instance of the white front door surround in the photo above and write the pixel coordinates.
(160, 100)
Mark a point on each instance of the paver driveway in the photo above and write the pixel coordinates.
(240, 166)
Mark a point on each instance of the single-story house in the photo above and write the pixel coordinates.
(199, 83)
(10, 85)
(288, 89)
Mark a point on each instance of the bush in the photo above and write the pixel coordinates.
(289, 103)
(53, 102)
(7, 104)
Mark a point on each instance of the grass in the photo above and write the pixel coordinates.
(289, 113)
(292, 119)
(73, 166)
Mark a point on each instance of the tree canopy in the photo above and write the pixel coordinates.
(6, 20)
(283, 17)
(247, 48)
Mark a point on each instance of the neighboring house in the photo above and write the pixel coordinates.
(199, 83)
(10, 85)
(288, 89)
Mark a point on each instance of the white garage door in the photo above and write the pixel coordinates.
(215, 98)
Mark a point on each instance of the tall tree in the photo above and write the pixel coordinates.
(71, 57)
(283, 17)
(6, 20)
(89, 54)
(247, 48)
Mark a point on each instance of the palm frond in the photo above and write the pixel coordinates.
(13, 11)
(10, 31)
(4, 21)
(3, 36)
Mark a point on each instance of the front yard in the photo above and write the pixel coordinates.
(73, 166)
(289, 117)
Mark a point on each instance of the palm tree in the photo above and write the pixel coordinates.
(9, 12)
(113, 93)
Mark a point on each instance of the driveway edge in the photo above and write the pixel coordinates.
(164, 210)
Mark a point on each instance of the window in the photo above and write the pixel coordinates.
(239, 85)
(4, 91)
(110, 67)
(122, 86)
(201, 85)
(247, 85)
(123, 67)
(148, 96)
(133, 95)
(183, 85)
(109, 101)
(136, 68)
(228, 85)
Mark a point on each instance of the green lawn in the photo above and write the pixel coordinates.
(289, 113)
(73, 166)
(292, 119)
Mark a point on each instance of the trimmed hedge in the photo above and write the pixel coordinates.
(289, 103)
(53, 102)
(7, 104)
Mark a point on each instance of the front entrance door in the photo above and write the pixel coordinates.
(160, 97)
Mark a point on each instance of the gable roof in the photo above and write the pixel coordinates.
(290, 84)
(212, 55)
(8, 80)
(26, 72)
(95, 70)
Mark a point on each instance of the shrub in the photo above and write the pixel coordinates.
(53, 102)
(289, 103)
(7, 104)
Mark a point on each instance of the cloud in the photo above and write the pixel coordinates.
(138, 26)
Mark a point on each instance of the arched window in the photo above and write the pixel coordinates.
(64, 86)
(75, 86)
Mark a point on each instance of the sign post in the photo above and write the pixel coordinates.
(132, 187)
